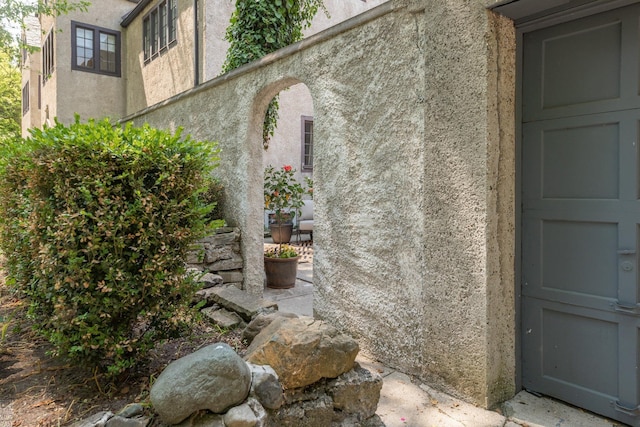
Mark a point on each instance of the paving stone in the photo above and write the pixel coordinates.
(222, 317)
(246, 305)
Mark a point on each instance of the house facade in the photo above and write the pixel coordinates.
(122, 56)
(476, 189)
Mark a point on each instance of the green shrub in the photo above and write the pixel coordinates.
(214, 195)
(95, 222)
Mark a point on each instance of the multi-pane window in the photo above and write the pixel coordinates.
(25, 99)
(47, 57)
(307, 143)
(159, 29)
(95, 49)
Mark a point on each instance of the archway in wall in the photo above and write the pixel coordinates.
(291, 145)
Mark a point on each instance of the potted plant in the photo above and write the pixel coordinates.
(282, 195)
(281, 266)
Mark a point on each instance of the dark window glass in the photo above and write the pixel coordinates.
(162, 10)
(25, 99)
(307, 143)
(173, 19)
(95, 49)
(159, 29)
(154, 32)
(47, 58)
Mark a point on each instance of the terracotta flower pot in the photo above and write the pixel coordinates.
(281, 272)
(281, 233)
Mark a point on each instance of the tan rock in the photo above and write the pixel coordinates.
(302, 351)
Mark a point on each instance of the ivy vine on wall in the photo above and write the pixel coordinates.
(259, 27)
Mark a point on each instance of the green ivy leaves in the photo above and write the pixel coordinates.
(259, 27)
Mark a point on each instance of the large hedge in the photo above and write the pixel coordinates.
(95, 222)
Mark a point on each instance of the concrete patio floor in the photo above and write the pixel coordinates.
(407, 402)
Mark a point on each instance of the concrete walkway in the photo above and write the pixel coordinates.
(405, 402)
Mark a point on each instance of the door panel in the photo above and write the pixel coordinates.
(594, 53)
(581, 213)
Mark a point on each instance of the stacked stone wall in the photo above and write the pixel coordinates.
(219, 254)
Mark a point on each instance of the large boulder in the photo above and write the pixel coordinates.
(261, 321)
(213, 378)
(302, 351)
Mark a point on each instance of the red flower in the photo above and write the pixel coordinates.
(287, 168)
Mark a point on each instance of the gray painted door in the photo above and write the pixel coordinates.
(581, 213)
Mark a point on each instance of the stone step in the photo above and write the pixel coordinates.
(221, 317)
(238, 301)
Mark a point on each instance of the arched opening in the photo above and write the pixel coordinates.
(291, 146)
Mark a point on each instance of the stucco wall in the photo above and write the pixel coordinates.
(414, 182)
(31, 71)
(93, 95)
(170, 73)
(48, 89)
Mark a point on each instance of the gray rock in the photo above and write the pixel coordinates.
(356, 392)
(259, 411)
(203, 419)
(231, 276)
(196, 254)
(131, 410)
(220, 253)
(240, 416)
(233, 263)
(260, 322)
(222, 317)
(209, 280)
(205, 295)
(96, 420)
(213, 378)
(241, 302)
(313, 413)
(374, 421)
(118, 421)
(224, 236)
(302, 351)
(265, 386)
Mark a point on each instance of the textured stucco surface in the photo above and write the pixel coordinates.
(414, 183)
(69, 82)
(171, 72)
(68, 92)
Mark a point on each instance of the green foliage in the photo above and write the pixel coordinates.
(95, 222)
(13, 12)
(282, 192)
(281, 251)
(308, 181)
(214, 196)
(10, 99)
(259, 27)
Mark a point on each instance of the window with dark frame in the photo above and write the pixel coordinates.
(307, 143)
(47, 57)
(25, 99)
(159, 29)
(95, 49)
